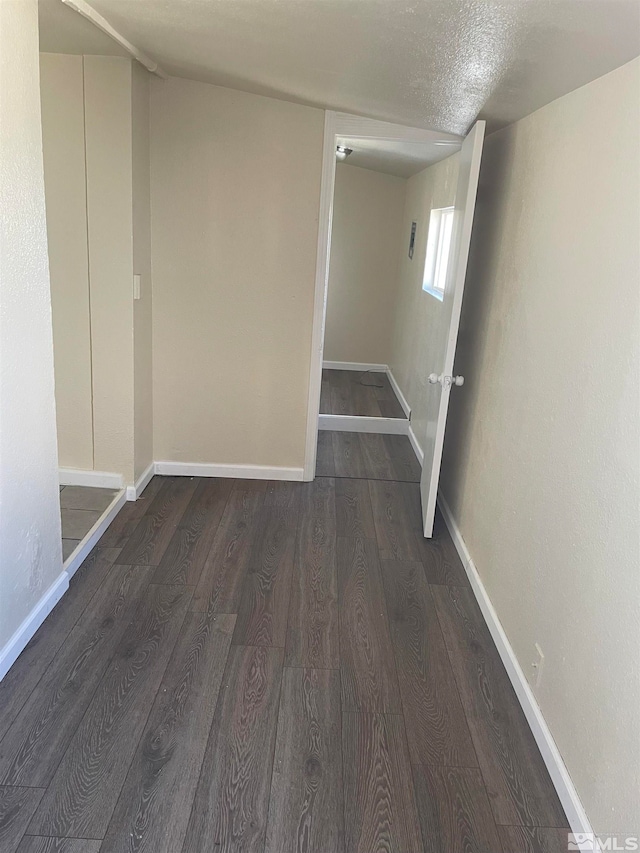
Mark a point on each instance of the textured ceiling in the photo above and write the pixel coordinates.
(429, 63)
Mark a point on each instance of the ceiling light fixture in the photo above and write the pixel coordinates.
(342, 152)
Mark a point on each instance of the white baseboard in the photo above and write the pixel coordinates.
(13, 648)
(574, 810)
(90, 540)
(244, 472)
(96, 479)
(416, 446)
(20, 638)
(355, 365)
(558, 772)
(359, 423)
(396, 389)
(134, 492)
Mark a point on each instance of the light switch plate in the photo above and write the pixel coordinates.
(137, 286)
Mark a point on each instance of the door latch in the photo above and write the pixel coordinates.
(445, 381)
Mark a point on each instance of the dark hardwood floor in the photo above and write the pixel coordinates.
(350, 392)
(365, 456)
(272, 667)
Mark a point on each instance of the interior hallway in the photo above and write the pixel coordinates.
(253, 665)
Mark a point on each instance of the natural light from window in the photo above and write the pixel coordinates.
(438, 246)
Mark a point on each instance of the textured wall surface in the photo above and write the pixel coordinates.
(542, 453)
(367, 222)
(235, 187)
(30, 545)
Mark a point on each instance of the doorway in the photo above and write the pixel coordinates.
(409, 300)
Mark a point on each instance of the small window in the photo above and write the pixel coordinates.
(438, 250)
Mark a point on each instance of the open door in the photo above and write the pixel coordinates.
(441, 379)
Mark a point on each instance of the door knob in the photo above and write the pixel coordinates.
(445, 381)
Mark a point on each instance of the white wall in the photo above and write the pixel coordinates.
(235, 185)
(61, 85)
(367, 223)
(30, 543)
(417, 337)
(542, 453)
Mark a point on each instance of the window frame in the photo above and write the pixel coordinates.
(439, 241)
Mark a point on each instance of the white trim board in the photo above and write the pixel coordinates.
(416, 446)
(21, 636)
(574, 810)
(406, 408)
(93, 536)
(327, 182)
(360, 423)
(356, 366)
(244, 472)
(94, 479)
(134, 492)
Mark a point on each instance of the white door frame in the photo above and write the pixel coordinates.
(335, 126)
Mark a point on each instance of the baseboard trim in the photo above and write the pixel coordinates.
(558, 772)
(134, 492)
(358, 423)
(244, 472)
(9, 654)
(30, 625)
(416, 446)
(88, 542)
(95, 479)
(355, 365)
(396, 390)
(574, 810)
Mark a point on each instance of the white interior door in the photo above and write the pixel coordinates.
(441, 376)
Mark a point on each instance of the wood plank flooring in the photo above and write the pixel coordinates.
(357, 455)
(80, 508)
(350, 392)
(271, 667)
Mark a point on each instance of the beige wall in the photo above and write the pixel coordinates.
(235, 184)
(108, 123)
(142, 317)
(30, 549)
(61, 92)
(96, 146)
(367, 222)
(542, 451)
(417, 338)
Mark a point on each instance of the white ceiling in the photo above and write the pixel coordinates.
(428, 63)
(403, 159)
